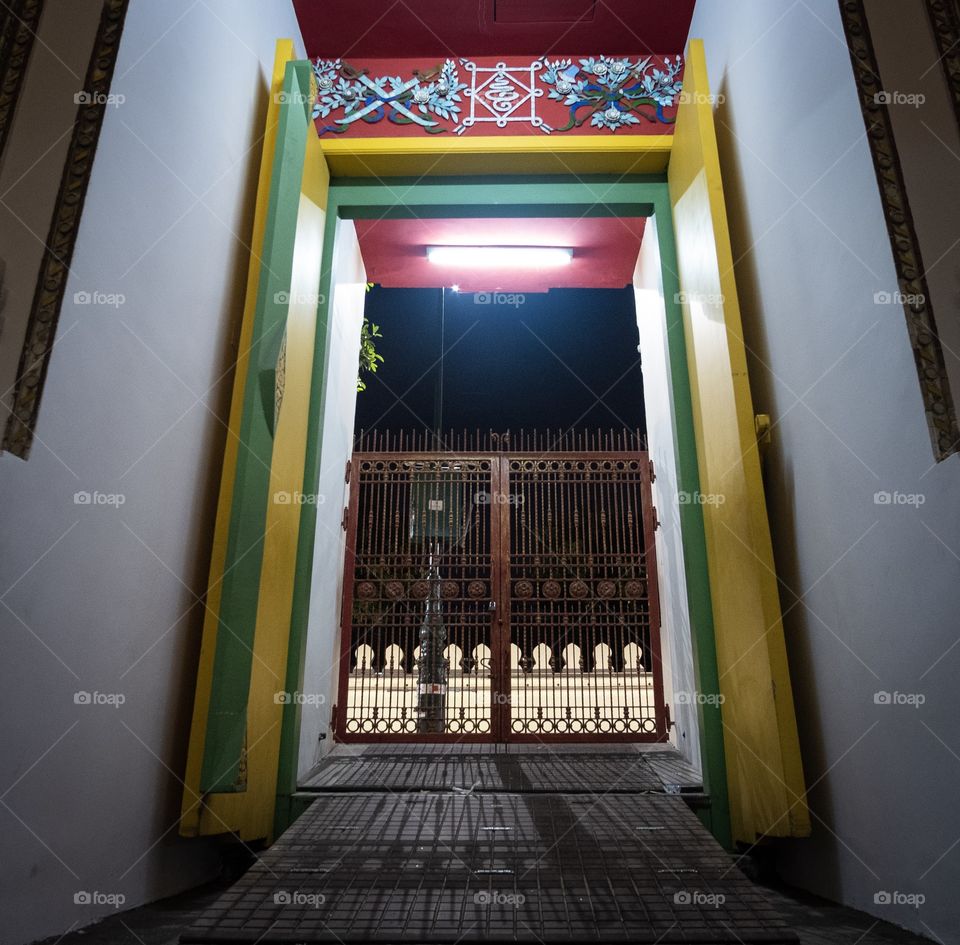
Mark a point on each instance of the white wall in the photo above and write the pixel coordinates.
(675, 640)
(347, 297)
(103, 598)
(870, 592)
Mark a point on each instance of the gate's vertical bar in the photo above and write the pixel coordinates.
(500, 537)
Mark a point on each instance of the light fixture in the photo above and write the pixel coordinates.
(500, 257)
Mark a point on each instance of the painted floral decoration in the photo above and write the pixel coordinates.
(435, 93)
(614, 89)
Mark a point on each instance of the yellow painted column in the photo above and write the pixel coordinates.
(766, 785)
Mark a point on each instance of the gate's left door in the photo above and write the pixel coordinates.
(230, 783)
(409, 515)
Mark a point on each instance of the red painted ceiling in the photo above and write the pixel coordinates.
(604, 252)
(370, 29)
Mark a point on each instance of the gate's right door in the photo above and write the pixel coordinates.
(581, 595)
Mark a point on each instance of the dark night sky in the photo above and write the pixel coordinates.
(541, 363)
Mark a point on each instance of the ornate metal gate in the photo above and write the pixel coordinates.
(502, 591)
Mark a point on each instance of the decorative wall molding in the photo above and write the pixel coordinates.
(62, 236)
(945, 20)
(18, 28)
(928, 354)
(608, 92)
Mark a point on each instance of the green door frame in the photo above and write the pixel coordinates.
(518, 197)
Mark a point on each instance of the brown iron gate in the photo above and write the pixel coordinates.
(502, 591)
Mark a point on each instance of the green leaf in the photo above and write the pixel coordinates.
(368, 352)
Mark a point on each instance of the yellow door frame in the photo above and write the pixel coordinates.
(764, 772)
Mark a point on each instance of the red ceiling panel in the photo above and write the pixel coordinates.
(371, 29)
(604, 257)
(544, 11)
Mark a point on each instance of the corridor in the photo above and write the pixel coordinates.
(479, 470)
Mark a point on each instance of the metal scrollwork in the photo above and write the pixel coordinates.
(420, 590)
(606, 589)
(551, 589)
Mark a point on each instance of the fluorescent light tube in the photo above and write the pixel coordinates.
(500, 257)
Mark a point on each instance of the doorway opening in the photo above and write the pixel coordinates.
(559, 643)
(501, 585)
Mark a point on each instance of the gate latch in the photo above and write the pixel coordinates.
(492, 605)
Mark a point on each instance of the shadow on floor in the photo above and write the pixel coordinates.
(816, 921)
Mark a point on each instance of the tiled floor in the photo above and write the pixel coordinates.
(815, 921)
(414, 843)
(445, 867)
